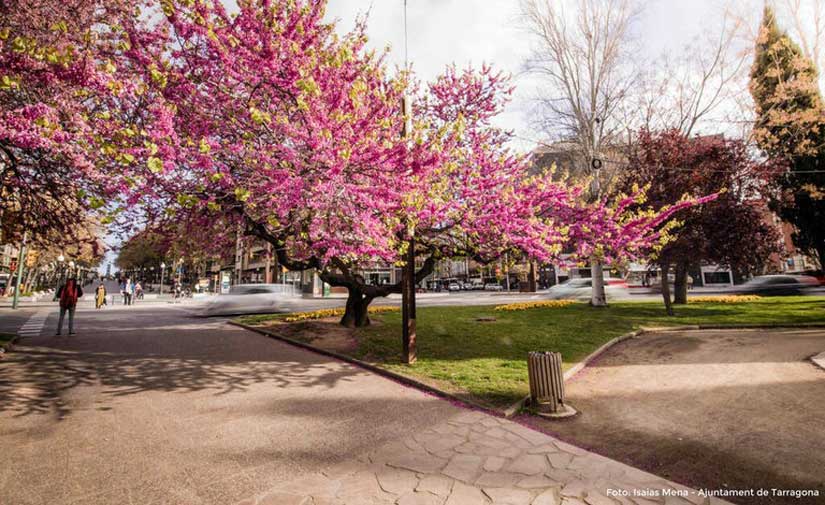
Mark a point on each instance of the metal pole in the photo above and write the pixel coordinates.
(408, 273)
(20, 258)
(161, 282)
(410, 352)
(507, 271)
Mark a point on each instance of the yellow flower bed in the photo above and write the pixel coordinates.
(724, 299)
(510, 307)
(323, 313)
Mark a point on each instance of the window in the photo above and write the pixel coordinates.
(717, 277)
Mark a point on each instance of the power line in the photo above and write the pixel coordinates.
(406, 40)
(625, 164)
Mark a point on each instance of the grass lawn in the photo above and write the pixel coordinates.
(487, 360)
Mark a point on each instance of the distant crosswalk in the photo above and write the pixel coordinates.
(34, 326)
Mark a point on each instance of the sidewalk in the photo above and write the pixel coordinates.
(477, 459)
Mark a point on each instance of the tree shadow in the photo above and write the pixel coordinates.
(36, 380)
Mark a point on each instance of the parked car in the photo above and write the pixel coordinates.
(251, 299)
(493, 286)
(467, 286)
(582, 289)
(454, 286)
(477, 285)
(778, 285)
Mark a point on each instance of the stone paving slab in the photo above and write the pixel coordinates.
(474, 458)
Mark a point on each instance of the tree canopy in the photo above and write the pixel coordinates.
(731, 230)
(191, 120)
(790, 127)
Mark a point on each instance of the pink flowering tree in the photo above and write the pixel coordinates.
(268, 123)
(61, 86)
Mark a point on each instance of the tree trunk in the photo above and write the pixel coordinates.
(598, 298)
(356, 312)
(680, 284)
(666, 288)
(821, 252)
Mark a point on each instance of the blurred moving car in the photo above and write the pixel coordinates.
(778, 285)
(818, 274)
(493, 286)
(454, 286)
(251, 299)
(582, 289)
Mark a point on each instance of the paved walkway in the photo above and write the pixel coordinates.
(147, 405)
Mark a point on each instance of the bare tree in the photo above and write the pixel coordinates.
(584, 59)
(703, 85)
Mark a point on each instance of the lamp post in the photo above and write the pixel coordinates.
(408, 331)
(21, 258)
(60, 261)
(162, 267)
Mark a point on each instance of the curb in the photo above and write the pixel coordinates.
(397, 377)
(819, 360)
(758, 326)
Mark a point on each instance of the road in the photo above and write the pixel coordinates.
(148, 405)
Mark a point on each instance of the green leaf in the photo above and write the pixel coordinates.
(155, 165)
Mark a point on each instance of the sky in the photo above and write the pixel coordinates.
(473, 32)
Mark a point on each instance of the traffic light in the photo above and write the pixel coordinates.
(13, 265)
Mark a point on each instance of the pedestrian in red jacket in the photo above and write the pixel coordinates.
(68, 295)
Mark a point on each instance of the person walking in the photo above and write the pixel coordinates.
(123, 290)
(130, 290)
(68, 295)
(100, 296)
(138, 291)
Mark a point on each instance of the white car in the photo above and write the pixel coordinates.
(251, 299)
(493, 286)
(582, 289)
(454, 286)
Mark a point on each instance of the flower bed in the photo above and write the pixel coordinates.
(323, 313)
(510, 307)
(724, 299)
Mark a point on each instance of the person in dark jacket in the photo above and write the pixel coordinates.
(68, 295)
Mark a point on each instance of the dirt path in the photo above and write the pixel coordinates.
(713, 409)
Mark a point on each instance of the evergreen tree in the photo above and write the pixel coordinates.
(790, 126)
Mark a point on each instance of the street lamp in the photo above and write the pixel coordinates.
(162, 267)
(60, 260)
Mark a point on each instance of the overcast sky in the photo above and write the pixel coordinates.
(442, 32)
